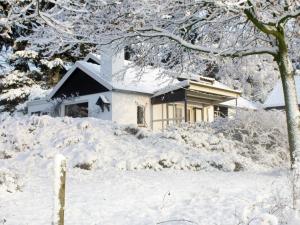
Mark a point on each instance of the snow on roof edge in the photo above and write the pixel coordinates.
(275, 97)
(173, 87)
(241, 103)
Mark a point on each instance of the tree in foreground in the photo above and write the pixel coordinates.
(176, 34)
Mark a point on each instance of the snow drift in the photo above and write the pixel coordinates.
(248, 142)
(103, 186)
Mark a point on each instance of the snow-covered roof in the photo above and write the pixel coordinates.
(276, 97)
(240, 103)
(172, 87)
(132, 78)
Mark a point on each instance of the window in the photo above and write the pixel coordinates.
(77, 110)
(178, 115)
(220, 111)
(141, 115)
(40, 113)
(188, 115)
(37, 113)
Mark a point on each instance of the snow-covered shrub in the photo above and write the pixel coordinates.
(90, 143)
(26, 74)
(57, 62)
(15, 79)
(266, 128)
(4, 155)
(26, 54)
(16, 87)
(261, 134)
(139, 132)
(84, 166)
(9, 181)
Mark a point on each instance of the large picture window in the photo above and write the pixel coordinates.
(77, 110)
(141, 115)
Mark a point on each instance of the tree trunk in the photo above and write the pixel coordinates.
(292, 110)
(292, 115)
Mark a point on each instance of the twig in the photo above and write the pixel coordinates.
(179, 220)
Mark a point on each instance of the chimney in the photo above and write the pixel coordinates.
(112, 60)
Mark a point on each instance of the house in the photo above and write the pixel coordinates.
(111, 88)
(275, 99)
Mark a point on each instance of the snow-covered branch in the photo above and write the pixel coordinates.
(252, 16)
(283, 19)
(157, 32)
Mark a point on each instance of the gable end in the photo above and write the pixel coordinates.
(79, 83)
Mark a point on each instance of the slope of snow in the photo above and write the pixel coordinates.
(96, 144)
(276, 97)
(132, 78)
(147, 197)
(130, 176)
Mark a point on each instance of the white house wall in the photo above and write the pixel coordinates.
(93, 109)
(124, 107)
(39, 106)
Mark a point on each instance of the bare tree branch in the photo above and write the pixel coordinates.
(283, 19)
(158, 32)
(251, 15)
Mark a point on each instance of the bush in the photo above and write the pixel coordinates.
(265, 128)
(140, 133)
(84, 166)
(260, 136)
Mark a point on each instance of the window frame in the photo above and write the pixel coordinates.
(143, 124)
(75, 103)
(36, 113)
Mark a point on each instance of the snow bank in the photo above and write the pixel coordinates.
(234, 145)
(9, 181)
(149, 197)
(123, 186)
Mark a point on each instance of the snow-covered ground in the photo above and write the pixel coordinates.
(126, 175)
(149, 197)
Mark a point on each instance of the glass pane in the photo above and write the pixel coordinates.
(178, 115)
(140, 115)
(77, 110)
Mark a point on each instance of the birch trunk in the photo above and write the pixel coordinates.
(292, 110)
(292, 115)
